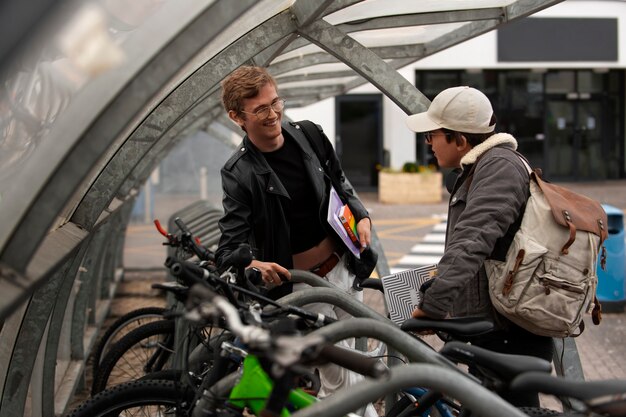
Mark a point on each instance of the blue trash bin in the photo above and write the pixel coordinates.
(611, 286)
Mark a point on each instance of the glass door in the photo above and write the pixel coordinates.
(359, 141)
(574, 140)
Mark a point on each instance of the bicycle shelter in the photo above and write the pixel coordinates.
(96, 94)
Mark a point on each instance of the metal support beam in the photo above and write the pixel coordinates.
(301, 62)
(306, 11)
(368, 65)
(26, 347)
(62, 302)
(567, 364)
(423, 19)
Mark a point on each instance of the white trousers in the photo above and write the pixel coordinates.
(333, 377)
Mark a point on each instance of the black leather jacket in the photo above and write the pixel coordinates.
(252, 192)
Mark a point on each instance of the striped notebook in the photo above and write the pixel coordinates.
(402, 293)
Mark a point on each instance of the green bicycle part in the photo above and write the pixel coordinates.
(255, 386)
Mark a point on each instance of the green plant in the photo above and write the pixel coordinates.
(411, 167)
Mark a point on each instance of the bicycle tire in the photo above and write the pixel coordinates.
(541, 412)
(121, 327)
(126, 400)
(131, 353)
(164, 375)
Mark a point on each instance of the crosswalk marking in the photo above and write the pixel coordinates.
(426, 248)
(434, 238)
(426, 252)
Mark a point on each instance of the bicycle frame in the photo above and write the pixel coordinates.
(255, 386)
(441, 407)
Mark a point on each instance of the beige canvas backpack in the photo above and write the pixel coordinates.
(548, 280)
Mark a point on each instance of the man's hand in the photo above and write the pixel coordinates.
(364, 228)
(417, 313)
(271, 272)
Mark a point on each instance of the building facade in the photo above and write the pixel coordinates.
(556, 81)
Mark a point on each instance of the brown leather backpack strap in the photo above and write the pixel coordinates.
(596, 313)
(574, 211)
(581, 329)
(572, 233)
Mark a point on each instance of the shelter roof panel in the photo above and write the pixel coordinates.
(375, 8)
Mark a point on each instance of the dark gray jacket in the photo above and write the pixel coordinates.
(252, 192)
(483, 215)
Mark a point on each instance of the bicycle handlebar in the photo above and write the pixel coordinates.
(187, 272)
(239, 258)
(210, 305)
(288, 350)
(160, 228)
(192, 243)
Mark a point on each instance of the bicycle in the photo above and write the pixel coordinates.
(118, 351)
(267, 389)
(444, 323)
(357, 327)
(173, 397)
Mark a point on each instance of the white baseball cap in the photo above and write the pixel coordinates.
(461, 109)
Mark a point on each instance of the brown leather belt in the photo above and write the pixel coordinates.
(326, 266)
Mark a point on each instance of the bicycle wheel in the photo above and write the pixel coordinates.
(138, 398)
(145, 349)
(542, 412)
(122, 326)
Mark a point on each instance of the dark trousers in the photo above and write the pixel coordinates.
(517, 341)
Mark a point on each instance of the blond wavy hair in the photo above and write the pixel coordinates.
(244, 82)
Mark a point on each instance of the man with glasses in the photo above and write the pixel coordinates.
(275, 197)
(486, 206)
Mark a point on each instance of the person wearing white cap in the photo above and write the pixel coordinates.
(486, 205)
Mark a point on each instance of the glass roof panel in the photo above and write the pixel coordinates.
(315, 69)
(404, 35)
(375, 8)
(296, 53)
(316, 83)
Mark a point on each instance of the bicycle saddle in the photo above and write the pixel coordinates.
(457, 328)
(505, 366)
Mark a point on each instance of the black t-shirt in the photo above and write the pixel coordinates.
(302, 209)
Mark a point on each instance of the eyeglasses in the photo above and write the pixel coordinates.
(428, 136)
(263, 113)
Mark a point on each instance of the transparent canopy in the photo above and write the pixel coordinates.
(95, 98)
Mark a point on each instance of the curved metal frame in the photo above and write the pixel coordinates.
(61, 255)
(471, 394)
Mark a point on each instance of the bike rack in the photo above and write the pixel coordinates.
(471, 394)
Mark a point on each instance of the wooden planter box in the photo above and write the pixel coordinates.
(409, 188)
